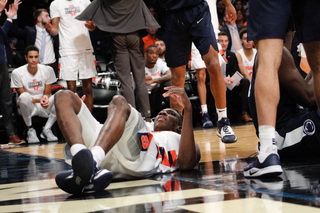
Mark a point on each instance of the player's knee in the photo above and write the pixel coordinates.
(62, 96)
(118, 100)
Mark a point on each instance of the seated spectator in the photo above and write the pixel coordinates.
(233, 32)
(150, 39)
(241, 18)
(38, 36)
(158, 76)
(33, 84)
(238, 5)
(246, 55)
(161, 49)
(242, 87)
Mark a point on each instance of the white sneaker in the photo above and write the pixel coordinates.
(225, 131)
(32, 136)
(48, 135)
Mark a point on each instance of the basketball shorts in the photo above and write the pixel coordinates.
(270, 19)
(77, 66)
(184, 27)
(299, 137)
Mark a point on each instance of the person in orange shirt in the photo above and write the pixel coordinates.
(150, 39)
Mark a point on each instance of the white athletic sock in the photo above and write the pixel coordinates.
(75, 148)
(204, 108)
(267, 136)
(98, 154)
(222, 113)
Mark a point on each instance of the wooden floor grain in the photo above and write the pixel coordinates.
(212, 149)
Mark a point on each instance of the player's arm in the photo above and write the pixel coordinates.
(242, 68)
(189, 152)
(53, 27)
(291, 80)
(231, 14)
(166, 77)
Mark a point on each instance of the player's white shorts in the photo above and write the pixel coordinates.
(82, 65)
(124, 157)
(196, 59)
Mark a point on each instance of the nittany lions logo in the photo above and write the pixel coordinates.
(308, 127)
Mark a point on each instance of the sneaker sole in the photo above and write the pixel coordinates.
(13, 143)
(270, 171)
(44, 137)
(226, 141)
(83, 167)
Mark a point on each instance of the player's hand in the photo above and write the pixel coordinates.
(48, 26)
(231, 14)
(82, 97)
(16, 4)
(228, 80)
(3, 4)
(90, 25)
(44, 101)
(179, 94)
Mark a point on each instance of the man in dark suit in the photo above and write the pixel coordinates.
(37, 35)
(242, 87)
(5, 57)
(233, 32)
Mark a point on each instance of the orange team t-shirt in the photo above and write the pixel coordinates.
(148, 40)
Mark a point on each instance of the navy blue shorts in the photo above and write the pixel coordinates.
(185, 26)
(269, 19)
(301, 136)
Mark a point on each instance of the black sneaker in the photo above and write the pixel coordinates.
(206, 121)
(83, 167)
(225, 131)
(264, 165)
(101, 180)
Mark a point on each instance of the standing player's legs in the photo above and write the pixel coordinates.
(87, 70)
(204, 39)
(137, 64)
(269, 44)
(122, 66)
(218, 91)
(178, 75)
(87, 91)
(198, 64)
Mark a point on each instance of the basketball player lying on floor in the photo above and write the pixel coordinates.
(297, 124)
(125, 145)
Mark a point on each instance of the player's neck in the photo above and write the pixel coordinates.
(32, 70)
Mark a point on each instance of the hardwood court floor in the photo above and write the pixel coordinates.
(216, 185)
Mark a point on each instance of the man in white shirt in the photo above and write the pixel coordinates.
(33, 84)
(47, 44)
(75, 45)
(246, 55)
(158, 76)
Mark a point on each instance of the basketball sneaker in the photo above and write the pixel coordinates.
(83, 167)
(225, 131)
(206, 122)
(32, 136)
(265, 164)
(101, 180)
(85, 176)
(48, 135)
